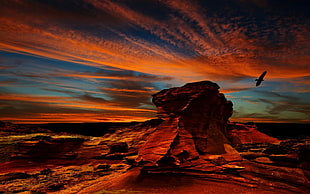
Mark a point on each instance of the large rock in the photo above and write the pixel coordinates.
(195, 123)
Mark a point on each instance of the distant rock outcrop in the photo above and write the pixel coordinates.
(41, 148)
(247, 133)
(11, 128)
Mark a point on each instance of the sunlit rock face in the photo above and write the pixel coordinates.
(195, 123)
(247, 133)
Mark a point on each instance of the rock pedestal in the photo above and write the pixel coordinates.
(195, 123)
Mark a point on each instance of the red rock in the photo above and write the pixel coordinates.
(159, 142)
(253, 155)
(293, 179)
(242, 134)
(264, 160)
(195, 119)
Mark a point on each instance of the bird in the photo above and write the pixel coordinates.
(260, 78)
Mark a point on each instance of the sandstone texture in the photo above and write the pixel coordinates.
(66, 163)
(195, 123)
(247, 133)
(196, 138)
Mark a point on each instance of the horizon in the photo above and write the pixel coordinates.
(90, 61)
(244, 122)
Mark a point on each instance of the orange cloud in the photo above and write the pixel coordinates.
(58, 101)
(222, 50)
(31, 98)
(71, 118)
(190, 43)
(267, 120)
(256, 120)
(232, 90)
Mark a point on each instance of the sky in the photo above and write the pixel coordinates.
(101, 60)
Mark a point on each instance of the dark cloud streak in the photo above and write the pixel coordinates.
(131, 49)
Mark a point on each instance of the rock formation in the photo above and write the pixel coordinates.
(247, 133)
(10, 128)
(195, 124)
(193, 148)
(196, 138)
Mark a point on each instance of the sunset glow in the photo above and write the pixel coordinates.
(97, 61)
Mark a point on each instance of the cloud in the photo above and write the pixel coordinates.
(279, 107)
(86, 108)
(236, 89)
(111, 75)
(131, 49)
(301, 84)
(270, 94)
(60, 91)
(68, 11)
(22, 112)
(8, 81)
(219, 46)
(264, 119)
(85, 101)
(7, 67)
(130, 93)
(282, 106)
(96, 100)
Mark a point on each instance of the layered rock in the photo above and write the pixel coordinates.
(195, 123)
(196, 138)
(247, 133)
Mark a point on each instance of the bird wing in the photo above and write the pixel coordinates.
(261, 77)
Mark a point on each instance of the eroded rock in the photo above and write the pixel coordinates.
(195, 123)
(247, 133)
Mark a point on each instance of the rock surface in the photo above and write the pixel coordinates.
(247, 133)
(43, 162)
(196, 138)
(195, 123)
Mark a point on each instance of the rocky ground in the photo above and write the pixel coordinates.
(193, 148)
(49, 162)
(91, 166)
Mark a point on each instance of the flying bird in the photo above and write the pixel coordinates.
(260, 78)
